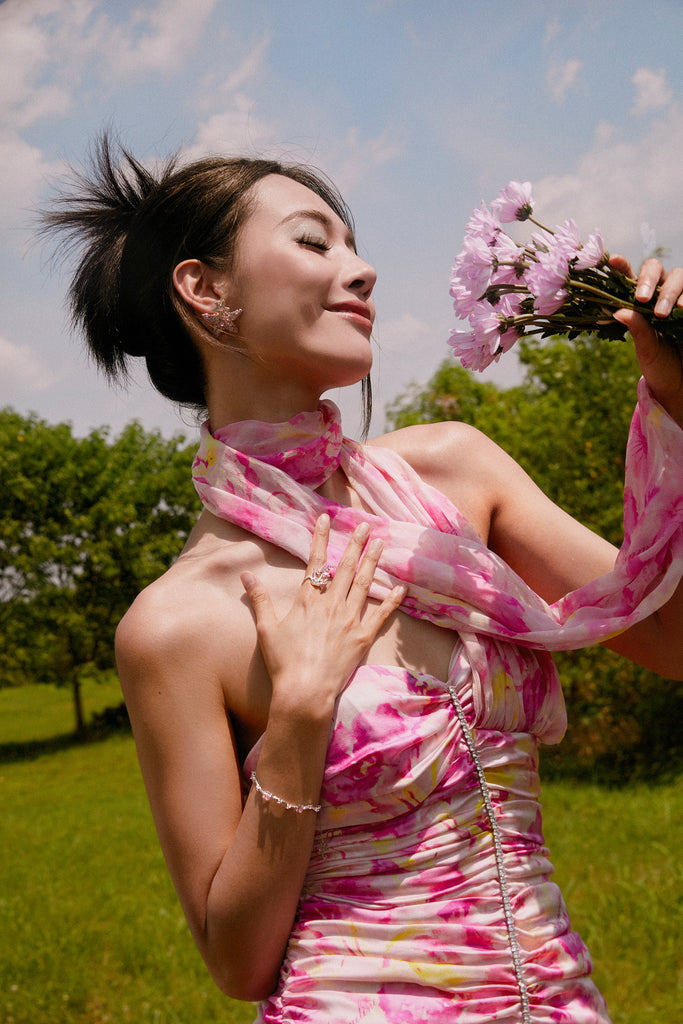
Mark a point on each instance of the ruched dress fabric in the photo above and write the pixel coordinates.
(400, 918)
(428, 895)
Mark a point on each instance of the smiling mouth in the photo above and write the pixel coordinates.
(356, 314)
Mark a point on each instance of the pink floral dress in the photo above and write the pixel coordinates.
(429, 895)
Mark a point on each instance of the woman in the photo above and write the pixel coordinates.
(341, 759)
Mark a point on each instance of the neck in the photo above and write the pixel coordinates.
(248, 395)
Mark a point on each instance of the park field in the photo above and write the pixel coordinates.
(91, 931)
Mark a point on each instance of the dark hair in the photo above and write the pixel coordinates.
(132, 227)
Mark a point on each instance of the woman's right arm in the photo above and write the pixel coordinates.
(238, 870)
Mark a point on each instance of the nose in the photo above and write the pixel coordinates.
(361, 276)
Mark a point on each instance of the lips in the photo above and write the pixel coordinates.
(356, 312)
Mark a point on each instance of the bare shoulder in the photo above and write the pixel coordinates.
(192, 622)
(426, 446)
(159, 622)
(457, 459)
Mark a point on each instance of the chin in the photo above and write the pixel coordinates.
(349, 380)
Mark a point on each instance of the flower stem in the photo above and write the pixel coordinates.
(539, 225)
(614, 301)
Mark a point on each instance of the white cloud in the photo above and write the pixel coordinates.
(652, 92)
(48, 47)
(236, 130)
(22, 370)
(38, 73)
(36, 57)
(350, 160)
(157, 39)
(23, 171)
(233, 124)
(404, 334)
(239, 128)
(250, 66)
(619, 184)
(561, 77)
(552, 29)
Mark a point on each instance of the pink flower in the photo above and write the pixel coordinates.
(490, 335)
(509, 304)
(506, 251)
(514, 202)
(567, 239)
(485, 323)
(592, 253)
(507, 340)
(508, 309)
(542, 240)
(482, 224)
(466, 349)
(477, 347)
(547, 280)
(471, 274)
(552, 282)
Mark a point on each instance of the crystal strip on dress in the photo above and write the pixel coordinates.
(498, 851)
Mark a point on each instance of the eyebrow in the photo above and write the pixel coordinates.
(321, 218)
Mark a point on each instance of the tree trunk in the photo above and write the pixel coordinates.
(78, 707)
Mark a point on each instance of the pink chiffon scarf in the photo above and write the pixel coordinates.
(262, 477)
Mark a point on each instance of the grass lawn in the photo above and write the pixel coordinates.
(92, 932)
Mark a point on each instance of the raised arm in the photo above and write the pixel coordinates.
(660, 364)
(238, 866)
(550, 550)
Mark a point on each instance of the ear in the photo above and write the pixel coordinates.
(198, 285)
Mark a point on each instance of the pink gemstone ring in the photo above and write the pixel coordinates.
(319, 578)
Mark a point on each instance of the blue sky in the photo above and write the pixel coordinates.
(418, 109)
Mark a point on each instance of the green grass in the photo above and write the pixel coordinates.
(617, 854)
(91, 931)
(45, 713)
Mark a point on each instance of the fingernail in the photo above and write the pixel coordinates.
(247, 579)
(363, 530)
(642, 291)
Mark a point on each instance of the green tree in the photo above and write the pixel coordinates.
(453, 393)
(567, 425)
(85, 524)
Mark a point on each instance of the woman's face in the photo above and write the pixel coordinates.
(304, 291)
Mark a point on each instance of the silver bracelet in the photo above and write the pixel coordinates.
(267, 797)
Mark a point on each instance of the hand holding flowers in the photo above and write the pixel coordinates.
(552, 284)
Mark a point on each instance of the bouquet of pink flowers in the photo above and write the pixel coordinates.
(552, 284)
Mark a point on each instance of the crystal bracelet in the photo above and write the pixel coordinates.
(267, 797)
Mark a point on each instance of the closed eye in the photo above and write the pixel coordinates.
(315, 242)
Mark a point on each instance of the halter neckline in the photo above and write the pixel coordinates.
(307, 447)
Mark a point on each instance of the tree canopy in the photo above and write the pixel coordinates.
(85, 524)
(567, 425)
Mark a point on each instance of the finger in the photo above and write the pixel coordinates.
(319, 541)
(348, 563)
(259, 599)
(621, 264)
(670, 292)
(651, 274)
(365, 574)
(379, 614)
(642, 332)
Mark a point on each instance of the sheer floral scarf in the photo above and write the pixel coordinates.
(262, 476)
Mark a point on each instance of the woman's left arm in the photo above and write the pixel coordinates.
(559, 552)
(660, 364)
(549, 549)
